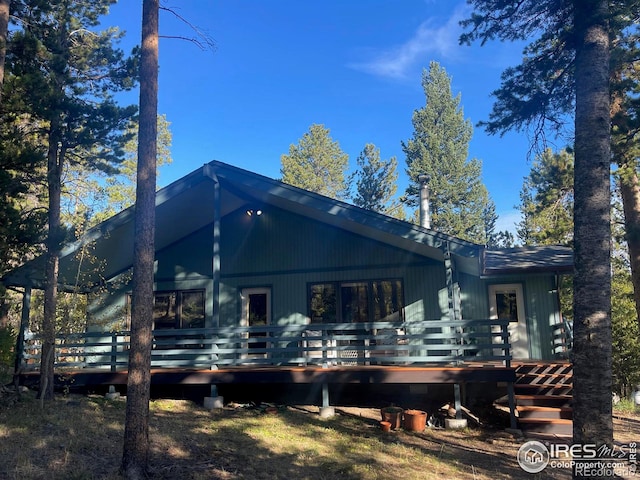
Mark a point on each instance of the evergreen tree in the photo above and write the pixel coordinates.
(60, 79)
(135, 452)
(501, 239)
(4, 30)
(539, 94)
(120, 189)
(565, 70)
(546, 201)
(624, 321)
(439, 148)
(90, 197)
(316, 163)
(625, 145)
(376, 182)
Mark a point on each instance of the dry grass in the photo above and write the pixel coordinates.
(80, 437)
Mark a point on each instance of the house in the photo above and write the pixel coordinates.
(259, 281)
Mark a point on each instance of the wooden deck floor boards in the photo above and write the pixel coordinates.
(360, 374)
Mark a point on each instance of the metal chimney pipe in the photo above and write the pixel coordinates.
(425, 220)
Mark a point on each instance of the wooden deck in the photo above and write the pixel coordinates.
(356, 374)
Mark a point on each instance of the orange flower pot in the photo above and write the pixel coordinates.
(385, 426)
(415, 420)
(393, 415)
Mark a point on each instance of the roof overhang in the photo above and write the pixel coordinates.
(189, 204)
(529, 260)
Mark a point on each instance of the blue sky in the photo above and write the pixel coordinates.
(354, 66)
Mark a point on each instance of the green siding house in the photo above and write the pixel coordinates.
(253, 272)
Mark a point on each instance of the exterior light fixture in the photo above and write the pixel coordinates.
(251, 212)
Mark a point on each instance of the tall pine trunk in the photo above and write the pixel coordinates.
(136, 436)
(55, 156)
(4, 29)
(592, 231)
(630, 192)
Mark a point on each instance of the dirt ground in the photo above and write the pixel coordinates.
(483, 446)
(237, 442)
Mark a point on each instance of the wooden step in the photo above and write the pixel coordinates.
(551, 390)
(543, 425)
(525, 363)
(541, 365)
(549, 413)
(543, 400)
(543, 395)
(544, 369)
(550, 386)
(544, 377)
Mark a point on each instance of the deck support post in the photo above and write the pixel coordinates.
(326, 411)
(325, 395)
(213, 401)
(24, 328)
(325, 389)
(512, 405)
(457, 400)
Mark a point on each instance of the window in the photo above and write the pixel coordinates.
(256, 312)
(506, 306)
(323, 303)
(387, 300)
(175, 310)
(354, 302)
(372, 301)
(178, 309)
(506, 302)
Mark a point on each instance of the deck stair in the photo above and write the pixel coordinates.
(543, 395)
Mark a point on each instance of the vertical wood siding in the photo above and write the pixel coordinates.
(287, 252)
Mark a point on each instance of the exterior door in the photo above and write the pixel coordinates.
(507, 302)
(256, 312)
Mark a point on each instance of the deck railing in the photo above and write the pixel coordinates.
(562, 338)
(379, 343)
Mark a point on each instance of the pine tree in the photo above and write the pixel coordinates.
(566, 70)
(376, 182)
(316, 163)
(546, 201)
(135, 451)
(624, 320)
(90, 197)
(60, 79)
(439, 148)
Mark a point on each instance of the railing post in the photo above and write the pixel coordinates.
(213, 354)
(460, 341)
(24, 326)
(506, 341)
(512, 406)
(114, 350)
(505, 344)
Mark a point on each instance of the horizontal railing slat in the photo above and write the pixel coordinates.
(402, 343)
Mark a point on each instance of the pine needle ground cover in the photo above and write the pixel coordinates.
(80, 437)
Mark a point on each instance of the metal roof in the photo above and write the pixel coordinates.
(188, 204)
(546, 258)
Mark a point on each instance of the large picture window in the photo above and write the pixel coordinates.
(178, 309)
(369, 301)
(175, 310)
